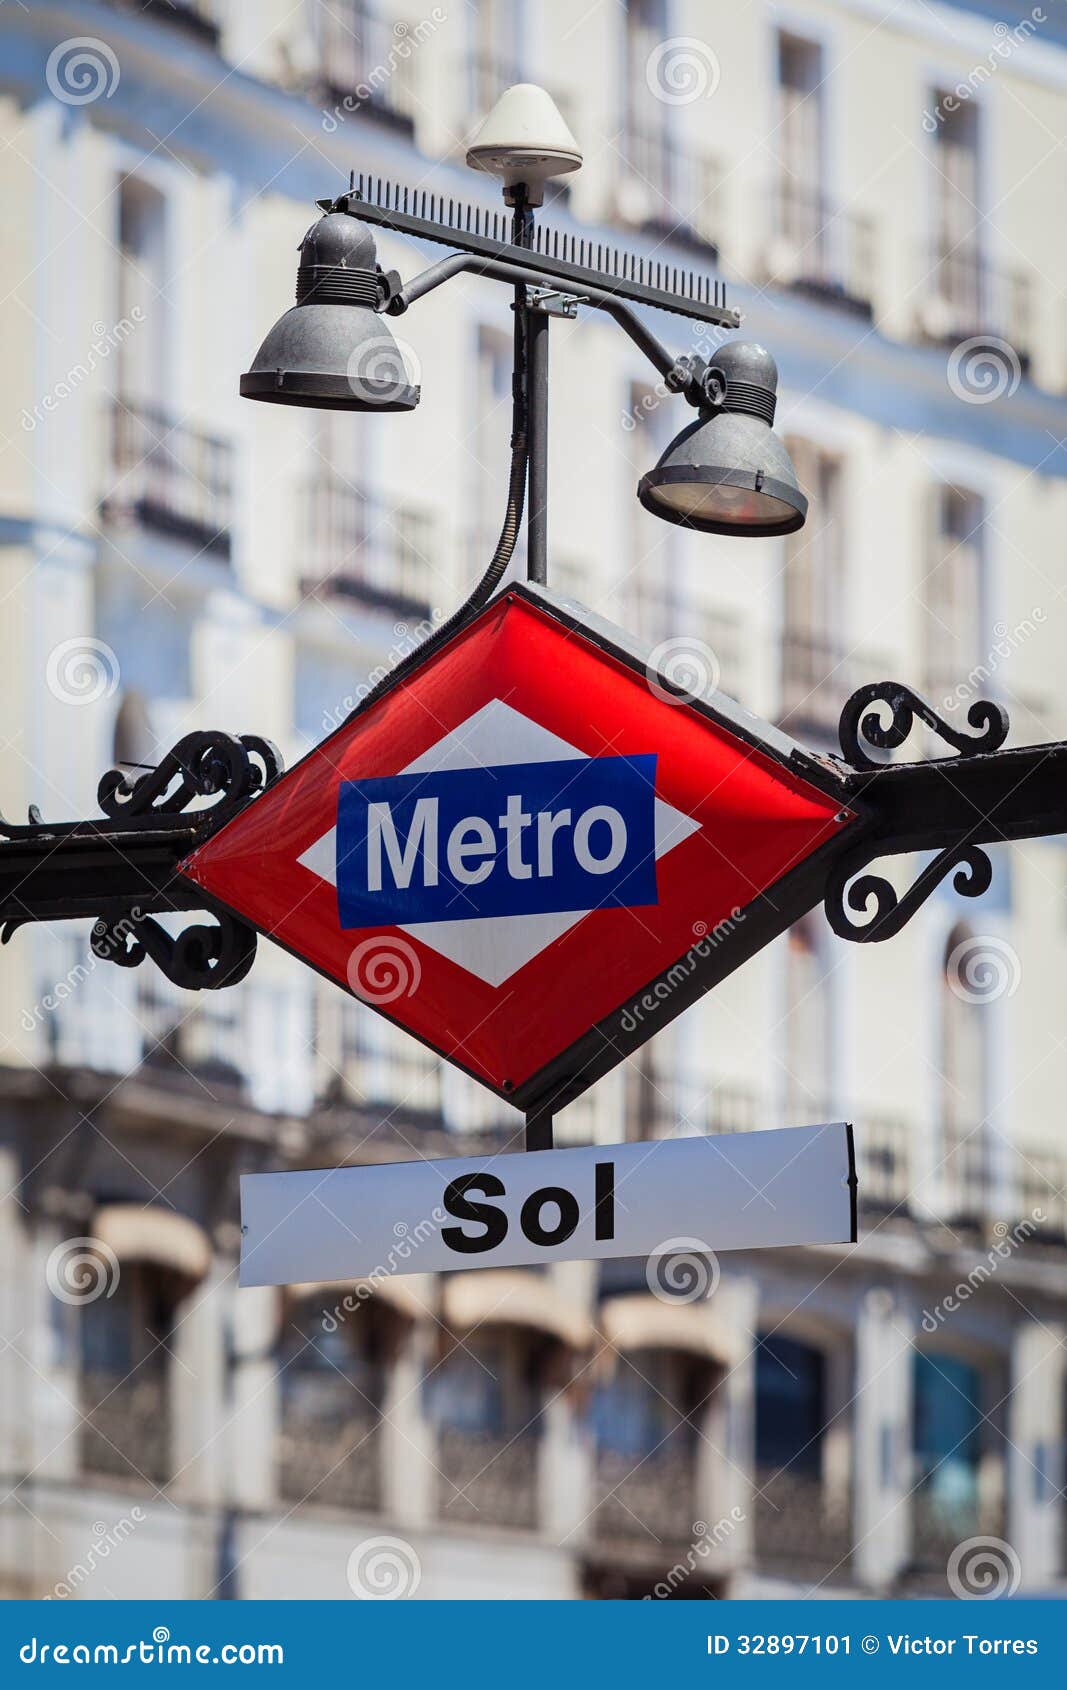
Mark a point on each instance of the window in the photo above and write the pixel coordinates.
(790, 1405)
(952, 593)
(800, 109)
(134, 745)
(125, 1355)
(496, 59)
(815, 644)
(965, 1146)
(947, 1438)
(956, 177)
(641, 1411)
(807, 1041)
(331, 1378)
(142, 277)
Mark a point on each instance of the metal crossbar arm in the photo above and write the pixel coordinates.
(687, 374)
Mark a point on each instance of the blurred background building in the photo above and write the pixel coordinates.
(880, 188)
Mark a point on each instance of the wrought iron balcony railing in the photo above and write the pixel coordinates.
(818, 248)
(669, 190)
(883, 1147)
(171, 478)
(803, 1528)
(362, 547)
(939, 1526)
(488, 1480)
(195, 17)
(962, 295)
(817, 672)
(647, 1502)
(125, 1431)
(332, 1459)
(363, 62)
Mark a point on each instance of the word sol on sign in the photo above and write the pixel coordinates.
(792, 1186)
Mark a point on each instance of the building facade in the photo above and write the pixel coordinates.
(876, 191)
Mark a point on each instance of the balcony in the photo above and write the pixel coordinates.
(1042, 1189)
(648, 1502)
(125, 1431)
(359, 546)
(330, 1458)
(963, 296)
(488, 1480)
(938, 1527)
(818, 675)
(819, 250)
(172, 479)
(883, 1148)
(803, 1530)
(668, 191)
(361, 66)
(194, 17)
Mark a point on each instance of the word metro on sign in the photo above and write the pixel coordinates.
(795, 1185)
(522, 839)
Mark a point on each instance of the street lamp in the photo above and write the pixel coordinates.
(332, 350)
(728, 473)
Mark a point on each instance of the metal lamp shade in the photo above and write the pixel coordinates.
(334, 357)
(726, 474)
(332, 350)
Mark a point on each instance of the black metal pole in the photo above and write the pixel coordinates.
(539, 1129)
(537, 430)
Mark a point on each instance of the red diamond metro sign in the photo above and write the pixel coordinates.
(532, 851)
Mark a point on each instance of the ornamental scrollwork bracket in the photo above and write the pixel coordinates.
(228, 767)
(860, 722)
(200, 958)
(871, 895)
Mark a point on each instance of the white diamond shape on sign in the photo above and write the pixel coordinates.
(495, 947)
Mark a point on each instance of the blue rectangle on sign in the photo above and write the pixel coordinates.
(515, 839)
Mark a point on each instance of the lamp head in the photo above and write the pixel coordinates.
(332, 350)
(525, 141)
(728, 473)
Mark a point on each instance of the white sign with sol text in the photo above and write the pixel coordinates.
(744, 1191)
